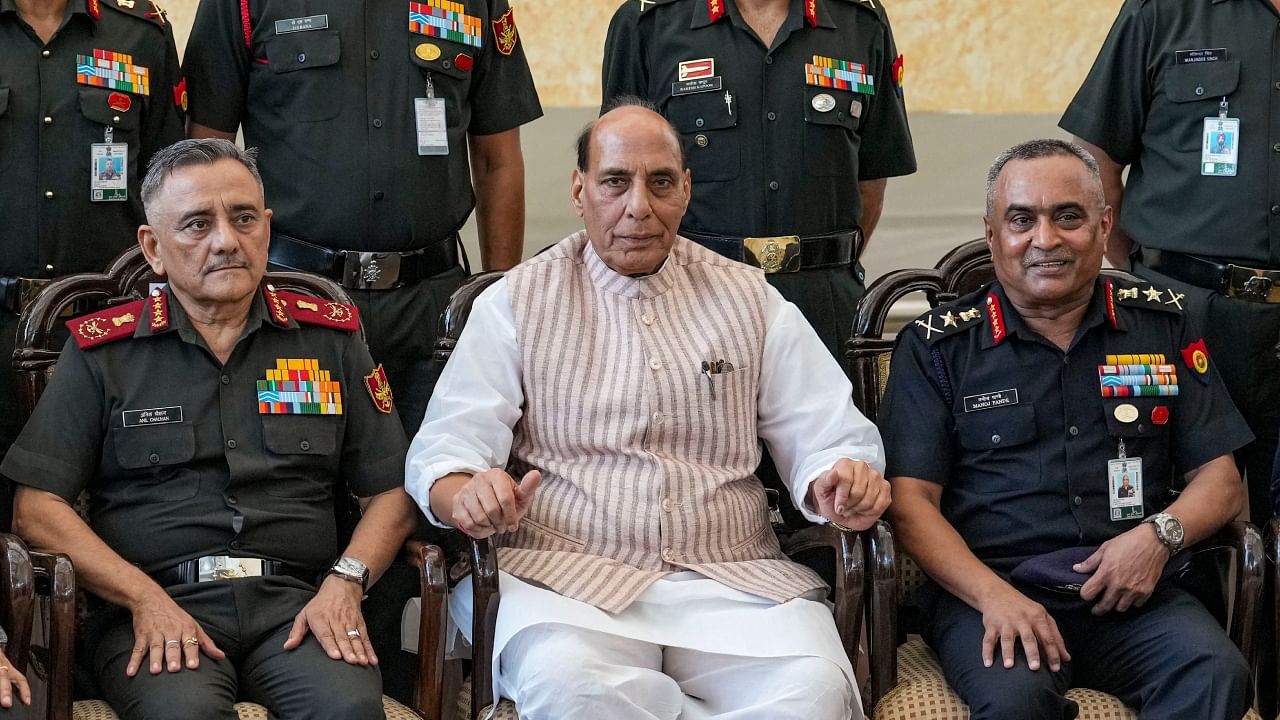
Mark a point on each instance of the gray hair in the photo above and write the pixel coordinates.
(583, 142)
(186, 153)
(1043, 148)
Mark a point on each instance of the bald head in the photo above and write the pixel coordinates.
(627, 109)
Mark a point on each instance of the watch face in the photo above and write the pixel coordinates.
(1172, 529)
(351, 566)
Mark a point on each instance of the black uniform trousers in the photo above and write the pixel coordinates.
(249, 620)
(400, 326)
(1169, 659)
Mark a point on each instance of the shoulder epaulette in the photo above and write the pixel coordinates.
(1145, 295)
(142, 9)
(104, 326)
(312, 310)
(947, 320)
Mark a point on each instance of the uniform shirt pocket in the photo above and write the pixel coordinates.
(1000, 447)
(1197, 90)
(829, 145)
(301, 451)
(710, 142)
(304, 75)
(299, 434)
(160, 456)
(1137, 417)
(95, 105)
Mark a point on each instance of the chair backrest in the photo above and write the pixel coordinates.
(40, 338)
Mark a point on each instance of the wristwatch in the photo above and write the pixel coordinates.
(1168, 530)
(351, 570)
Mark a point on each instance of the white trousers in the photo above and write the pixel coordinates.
(555, 671)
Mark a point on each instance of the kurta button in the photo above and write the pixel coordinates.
(773, 185)
(666, 554)
(657, 418)
(699, 122)
(304, 445)
(995, 439)
(231, 444)
(48, 194)
(1078, 500)
(772, 115)
(666, 504)
(48, 120)
(655, 364)
(1073, 430)
(377, 122)
(232, 499)
(154, 458)
(373, 54)
(226, 379)
(302, 57)
(1199, 90)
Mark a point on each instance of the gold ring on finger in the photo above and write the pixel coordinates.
(191, 641)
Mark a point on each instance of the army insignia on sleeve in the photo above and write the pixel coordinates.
(504, 32)
(379, 390)
(1196, 356)
(180, 95)
(898, 74)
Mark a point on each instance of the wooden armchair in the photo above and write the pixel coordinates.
(40, 339)
(906, 680)
(475, 697)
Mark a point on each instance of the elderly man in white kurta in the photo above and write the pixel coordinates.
(628, 376)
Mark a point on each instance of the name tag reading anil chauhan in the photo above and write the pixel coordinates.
(152, 416)
(987, 401)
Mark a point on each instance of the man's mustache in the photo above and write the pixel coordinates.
(1034, 257)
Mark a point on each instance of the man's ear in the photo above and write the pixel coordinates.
(150, 243)
(576, 185)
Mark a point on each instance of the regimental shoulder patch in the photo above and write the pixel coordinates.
(1146, 295)
(380, 390)
(104, 326)
(180, 95)
(316, 311)
(1196, 357)
(504, 32)
(947, 320)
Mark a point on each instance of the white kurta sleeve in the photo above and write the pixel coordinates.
(806, 414)
(477, 402)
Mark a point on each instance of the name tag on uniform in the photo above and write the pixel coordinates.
(987, 401)
(299, 24)
(1190, 57)
(152, 416)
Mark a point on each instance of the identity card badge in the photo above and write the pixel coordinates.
(431, 123)
(1220, 146)
(1124, 477)
(109, 172)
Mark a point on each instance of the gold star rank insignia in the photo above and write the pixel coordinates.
(1152, 294)
(949, 320)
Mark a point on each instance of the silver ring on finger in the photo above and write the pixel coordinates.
(171, 643)
(353, 633)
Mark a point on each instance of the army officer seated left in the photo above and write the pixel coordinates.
(213, 424)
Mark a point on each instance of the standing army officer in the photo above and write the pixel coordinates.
(83, 84)
(792, 118)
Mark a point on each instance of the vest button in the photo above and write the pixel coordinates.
(666, 504)
(657, 418)
(655, 364)
(646, 319)
(667, 554)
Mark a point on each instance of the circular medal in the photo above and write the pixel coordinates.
(427, 51)
(1126, 413)
(822, 102)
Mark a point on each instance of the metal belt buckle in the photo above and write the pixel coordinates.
(225, 567)
(1249, 284)
(28, 289)
(370, 271)
(777, 254)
